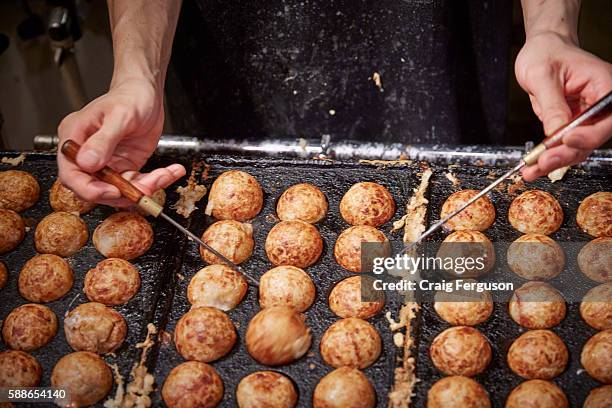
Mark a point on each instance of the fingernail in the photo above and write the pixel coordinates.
(554, 160)
(90, 158)
(176, 170)
(109, 195)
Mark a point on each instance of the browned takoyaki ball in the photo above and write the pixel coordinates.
(29, 327)
(12, 230)
(596, 307)
(286, 286)
(302, 202)
(217, 286)
(347, 249)
(457, 392)
(62, 198)
(537, 305)
(351, 342)
(535, 212)
(266, 389)
(461, 350)
(95, 327)
(595, 259)
(235, 195)
(536, 257)
(45, 278)
(472, 245)
(294, 243)
(367, 203)
(18, 369)
(345, 299)
(124, 235)
(232, 239)
(596, 356)
(60, 233)
(85, 377)
(477, 217)
(599, 397)
(344, 387)
(192, 384)
(112, 282)
(594, 214)
(204, 334)
(537, 394)
(3, 275)
(19, 190)
(464, 307)
(538, 354)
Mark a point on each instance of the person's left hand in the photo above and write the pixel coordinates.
(562, 80)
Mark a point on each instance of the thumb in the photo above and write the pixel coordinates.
(100, 146)
(554, 110)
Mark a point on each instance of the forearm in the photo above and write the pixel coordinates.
(557, 16)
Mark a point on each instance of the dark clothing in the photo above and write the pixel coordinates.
(303, 68)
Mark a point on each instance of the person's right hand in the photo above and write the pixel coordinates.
(119, 129)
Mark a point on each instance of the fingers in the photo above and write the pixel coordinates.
(100, 146)
(553, 159)
(86, 186)
(551, 105)
(159, 178)
(590, 137)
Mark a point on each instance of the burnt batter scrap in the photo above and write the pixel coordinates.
(189, 195)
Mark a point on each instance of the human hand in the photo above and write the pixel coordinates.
(562, 80)
(120, 129)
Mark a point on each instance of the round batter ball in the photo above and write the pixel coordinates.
(461, 350)
(12, 230)
(457, 392)
(95, 327)
(536, 257)
(477, 217)
(351, 342)
(266, 389)
(344, 387)
(367, 203)
(235, 195)
(3, 275)
(474, 245)
(537, 394)
(45, 278)
(537, 305)
(192, 384)
(217, 286)
(595, 259)
(124, 235)
(538, 354)
(85, 377)
(535, 212)
(277, 335)
(464, 307)
(112, 282)
(594, 215)
(232, 239)
(345, 299)
(62, 198)
(302, 202)
(18, 369)
(596, 307)
(204, 334)
(347, 250)
(19, 190)
(286, 286)
(599, 397)
(294, 243)
(29, 327)
(60, 233)
(596, 356)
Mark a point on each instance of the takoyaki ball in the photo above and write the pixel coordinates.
(85, 377)
(536, 257)
(367, 203)
(19, 190)
(479, 216)
(45, 278)
(62, 198)
(347, 249)
(192, 384)
(351, 342)
(599, 397)
(286, 286)
(232, 239)
(464, 307)
(277, 335)
(302, 202)
(3, 275)
(345, 299)
(537, 305)
(12, 230)
(124, 235)
(344, 387)
(595, 259)
(538, 354)
(594, 215)
(235, 195)
(294, 243)
(95, 327)
(204, 334)
(596, 356)
(535, 212)
(266, 389)
(461, 350)
(29, 327)
(596, 307)
(18, 369)
(159, 196)
(60, 233)
(112, 282)
(217, 286)
(537, 394)
(457, 392)
(462, 245)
